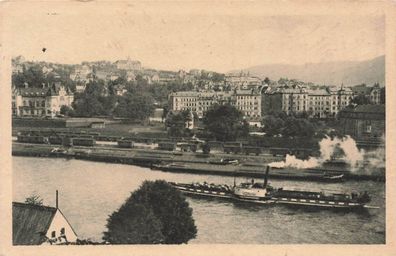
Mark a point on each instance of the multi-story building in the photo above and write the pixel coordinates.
(319, 103)
(44, 101)
(247, 101)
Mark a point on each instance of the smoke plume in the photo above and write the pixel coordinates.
(338, 148)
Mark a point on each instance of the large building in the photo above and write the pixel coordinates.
(44, 101)
(319, 103)
(247, 101)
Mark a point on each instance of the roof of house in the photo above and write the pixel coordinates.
(40, 92)
(318, 92)
(30, 223)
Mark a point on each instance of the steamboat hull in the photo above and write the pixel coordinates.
(318, 203)
(270, 199)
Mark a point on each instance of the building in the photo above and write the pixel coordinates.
(247, 101)
(128, 64)
(38, 225)
(44, 101)
(244, 81)
(81, 73)
(373, 93)
(364, 123)
(80, 87)
(157, 116)
(198, 102)
(319, 103)
(120, 89)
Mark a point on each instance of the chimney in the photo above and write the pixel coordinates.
(56, 202)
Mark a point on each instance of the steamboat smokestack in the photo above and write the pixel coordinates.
(266, 176)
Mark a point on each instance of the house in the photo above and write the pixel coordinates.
(373, 93)
(39, 225)
(120, 89)
(43, 101)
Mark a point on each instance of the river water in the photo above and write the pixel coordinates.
(90, 191)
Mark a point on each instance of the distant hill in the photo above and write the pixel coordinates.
(329, 73)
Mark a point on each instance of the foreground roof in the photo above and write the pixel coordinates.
(30, 223)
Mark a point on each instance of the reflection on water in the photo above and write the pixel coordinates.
(90, 192)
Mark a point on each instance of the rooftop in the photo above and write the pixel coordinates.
(30, 223)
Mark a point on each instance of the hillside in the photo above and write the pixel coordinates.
(329, 73)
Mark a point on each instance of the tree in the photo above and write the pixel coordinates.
(66, 110)
(155, 213)
(133, 223)
(225, 122)
(135, 106)
(34, 200)
(273, 125)
(175, 123)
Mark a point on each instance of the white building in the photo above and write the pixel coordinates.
(247, 101)
(44, 101)
(39, 225)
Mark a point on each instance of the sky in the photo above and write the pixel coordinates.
(218, 41)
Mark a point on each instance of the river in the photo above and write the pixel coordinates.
(90, 191)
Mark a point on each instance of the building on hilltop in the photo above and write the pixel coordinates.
(242, 81)
(38, 225)
(44, 101)
(128, 64)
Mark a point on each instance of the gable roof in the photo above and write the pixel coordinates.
(30, 223)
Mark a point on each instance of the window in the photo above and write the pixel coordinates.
(53, 234)
(368, 126)
(62, 231)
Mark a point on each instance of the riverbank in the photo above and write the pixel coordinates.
(188, 162)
